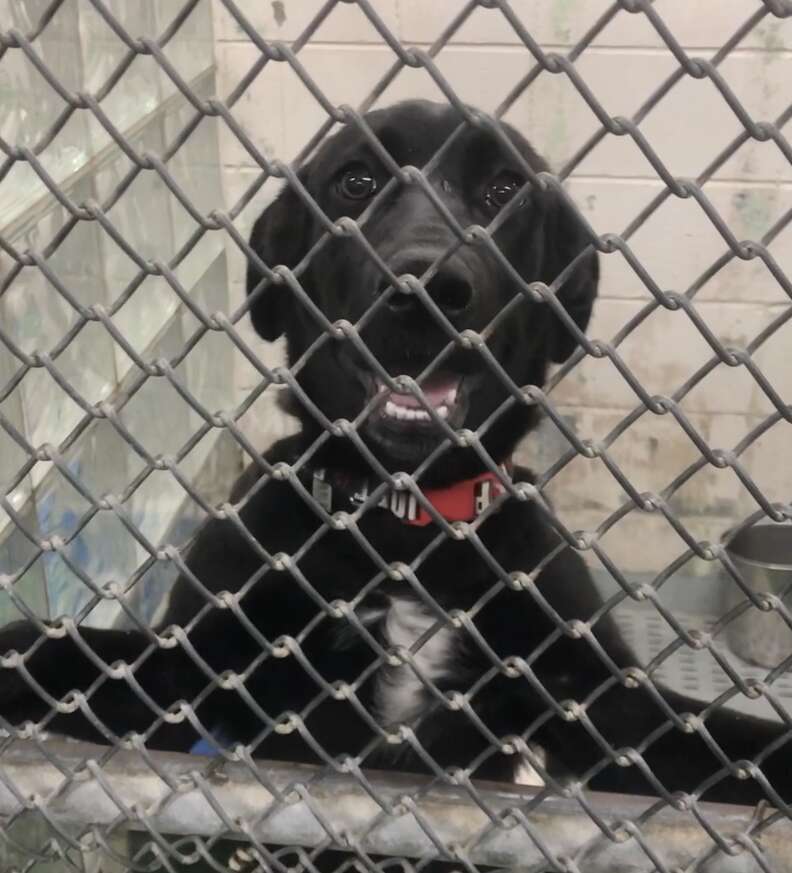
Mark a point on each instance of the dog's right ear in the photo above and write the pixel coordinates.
(566, 239)
(280, 236)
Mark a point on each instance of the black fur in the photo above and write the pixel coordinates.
(287, 608)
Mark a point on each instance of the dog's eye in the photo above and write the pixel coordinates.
(357, 182)
(501, 189)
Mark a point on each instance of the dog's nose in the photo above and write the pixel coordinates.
(450, 289)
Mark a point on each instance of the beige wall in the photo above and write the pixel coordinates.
(689, 127)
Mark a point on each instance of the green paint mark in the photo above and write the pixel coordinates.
(772, 40)
(753, 211)
(279, 12)
(563, 11)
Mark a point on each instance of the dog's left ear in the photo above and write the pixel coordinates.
(565, 238)
(279, 237)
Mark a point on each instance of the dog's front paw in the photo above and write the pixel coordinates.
(15, 640)
(18, 636)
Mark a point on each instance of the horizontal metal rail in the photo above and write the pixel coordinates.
(300, 805)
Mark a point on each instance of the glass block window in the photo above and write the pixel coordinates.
(58, 555)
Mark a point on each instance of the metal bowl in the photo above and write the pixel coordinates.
(763, 556)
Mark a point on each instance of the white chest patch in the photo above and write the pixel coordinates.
(401, 692)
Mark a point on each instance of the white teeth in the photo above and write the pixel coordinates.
(405, 413)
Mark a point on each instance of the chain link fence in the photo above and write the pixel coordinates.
(69, 805)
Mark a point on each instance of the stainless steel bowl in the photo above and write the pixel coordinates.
(763, 556)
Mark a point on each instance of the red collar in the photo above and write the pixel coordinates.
(462, 501)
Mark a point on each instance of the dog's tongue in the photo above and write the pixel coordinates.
(439, 390)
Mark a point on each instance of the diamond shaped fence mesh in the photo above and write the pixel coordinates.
(132, 744)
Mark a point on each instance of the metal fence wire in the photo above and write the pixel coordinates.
(74, 804)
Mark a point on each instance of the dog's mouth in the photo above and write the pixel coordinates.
(407, 426)
(442, 394)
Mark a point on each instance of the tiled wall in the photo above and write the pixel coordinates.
(688, 129)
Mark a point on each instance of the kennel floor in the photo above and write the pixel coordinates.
(696, 672)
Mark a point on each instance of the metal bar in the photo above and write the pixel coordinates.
(302, 801)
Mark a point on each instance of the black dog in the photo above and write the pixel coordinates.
(328, 636)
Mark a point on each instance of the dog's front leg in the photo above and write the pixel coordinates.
(90, 683)
(734, 757)
(637, 741)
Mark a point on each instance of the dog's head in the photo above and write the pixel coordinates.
(468, 286)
